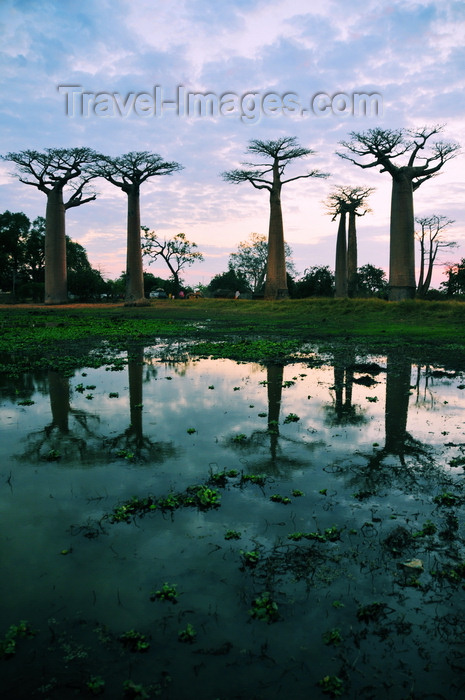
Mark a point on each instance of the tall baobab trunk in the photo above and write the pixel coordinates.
(402, 248)
(56, 291)
(398, 380)
(274, 376)
(352, 261)
(135, 377)
(341, 258)
(59, 400)
(134, 272)
(276, 279)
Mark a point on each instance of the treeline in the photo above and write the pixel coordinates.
(22, 269)
(409, 156)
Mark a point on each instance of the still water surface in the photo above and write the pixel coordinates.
(363, 452)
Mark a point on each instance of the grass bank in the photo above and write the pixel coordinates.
(418, 325)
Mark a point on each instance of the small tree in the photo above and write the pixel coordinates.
(455, 283)
(51, 172)
(251, 258)
(34, 254)
(430, 237)
(129, 172)
(372, 282)
(318, 281)
(230, 281)
(269, 176)
(177, 252)
(14, 228)
(383, 147)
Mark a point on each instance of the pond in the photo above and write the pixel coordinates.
(178, 527)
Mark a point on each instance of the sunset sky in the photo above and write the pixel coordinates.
(411, 53)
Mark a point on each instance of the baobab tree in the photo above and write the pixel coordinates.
(340, 270)
(278, 155)
(177, 252)
(430, 237)
(341, 202)
(51, 171)
(129, 172)
(384, 146)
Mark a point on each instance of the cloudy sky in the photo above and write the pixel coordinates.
(131, 58)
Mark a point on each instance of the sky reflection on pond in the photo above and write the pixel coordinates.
(367, 441)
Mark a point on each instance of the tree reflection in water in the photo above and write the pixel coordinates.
(132, 440)
(278, 460)
(80, 442)
(342, 411)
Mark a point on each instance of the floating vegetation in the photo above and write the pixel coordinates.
(8, 645)
(167, 592)
(446, 499)
(277, 498)
(264, 608)
(291, 418)
(135, 641)
(188, 634)
(199, 496)
(250, 559)
(332, 685)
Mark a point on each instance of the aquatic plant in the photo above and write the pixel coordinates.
(258, 479)
(135, 641)
(332, 637)
(95, 685)
(14, 632)
(251, 558)
(167, 592)
(429, 528)
(446, 499)
(291, 418)
(264, 608)
(135, 691)
(331, 685)
(277, 498)
(188, 634)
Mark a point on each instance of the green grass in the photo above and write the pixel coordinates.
(248, 329)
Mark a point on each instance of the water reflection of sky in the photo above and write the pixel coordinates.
(157, 426)
(221, 399)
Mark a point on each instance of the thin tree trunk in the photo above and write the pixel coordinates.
(429, 274)
(341, 258)
(402, 247)
(422, 268)
(134, 272)
(352, 262)
(276, 279)
(56, 290)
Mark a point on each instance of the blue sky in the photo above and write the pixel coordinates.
(411, 53)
